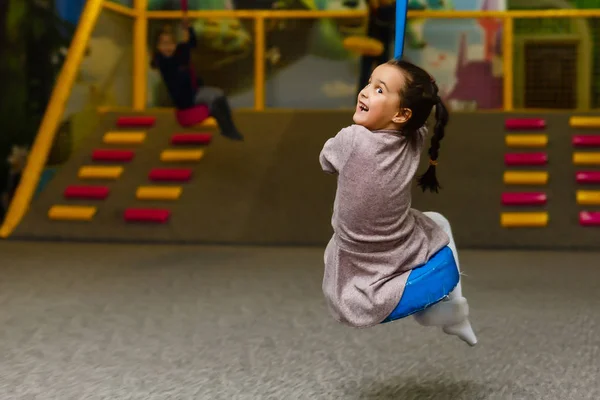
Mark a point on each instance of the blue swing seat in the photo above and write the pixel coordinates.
(427, 285)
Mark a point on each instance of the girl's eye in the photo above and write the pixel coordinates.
(379, 90)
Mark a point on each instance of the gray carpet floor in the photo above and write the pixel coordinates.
(92, 322)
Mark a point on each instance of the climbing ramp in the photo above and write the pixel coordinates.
(125, 177)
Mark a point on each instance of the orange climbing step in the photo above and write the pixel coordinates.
(181, 155)
(158, 192)
(125, 138)
(71, 213)
(524, 219)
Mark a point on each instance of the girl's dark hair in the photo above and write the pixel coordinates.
(420, 95)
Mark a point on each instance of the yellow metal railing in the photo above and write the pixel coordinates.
(141, 15)
(56, 106)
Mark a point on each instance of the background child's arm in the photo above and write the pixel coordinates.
(336, 151)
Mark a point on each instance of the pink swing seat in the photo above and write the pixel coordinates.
(192, 116)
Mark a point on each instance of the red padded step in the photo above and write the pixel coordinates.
(586, 141)
(191, 138)
(170, 174)
(112, 155)
(86, 192)
(588, 177)
(525, 159)
(136, 121)
(147, 215)
(589, 218)
(526, 124)
(524, 199)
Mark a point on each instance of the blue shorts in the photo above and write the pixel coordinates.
(427, 285)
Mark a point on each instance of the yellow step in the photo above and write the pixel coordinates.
(588, 197)
(210, 122)
(181, 155)
(528, 141)
(158, 192)
(71, 213)
(525, 177)
(100, 172)
(586, 158)
(584, 122)
(124, 137)
(524, 219)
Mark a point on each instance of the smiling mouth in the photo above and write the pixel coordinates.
(363, 107)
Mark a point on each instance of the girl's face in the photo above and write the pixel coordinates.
(378, 105)
(166, 45)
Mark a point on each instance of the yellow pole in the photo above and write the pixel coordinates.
(508, 64)
(259, 62)
(119, 9)
(140, 37)
(53, 115)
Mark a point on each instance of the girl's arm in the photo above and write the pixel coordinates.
(190, 39)
(336, 151)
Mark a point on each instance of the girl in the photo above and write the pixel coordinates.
(378, 238)
(173, 61)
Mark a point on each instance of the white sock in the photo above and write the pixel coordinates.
(463, 330)
(452, 316)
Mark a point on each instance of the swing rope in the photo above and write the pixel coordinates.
(401, 11)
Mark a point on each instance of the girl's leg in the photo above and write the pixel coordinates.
(451, 314)
(219, 109)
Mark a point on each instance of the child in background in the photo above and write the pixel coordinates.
(378, 238)
(186, 91)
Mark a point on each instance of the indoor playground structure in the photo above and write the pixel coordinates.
(147, 256)
(522, 176)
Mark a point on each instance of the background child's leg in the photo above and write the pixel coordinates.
(452, 313)
(219, 108)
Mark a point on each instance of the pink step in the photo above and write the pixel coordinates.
(170, 174)
(86, 192)
(157, 215)
(191, 138)
(136, 121)
(526, 124)
(589, 218)
(588, 177)
(526, 159)
(524, 199)
(192, 116)
(112, 155)
(586, 141)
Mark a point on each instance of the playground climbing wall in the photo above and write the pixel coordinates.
(108, 163)
(586, 156)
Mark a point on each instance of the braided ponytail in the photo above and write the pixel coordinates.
(429, 181)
